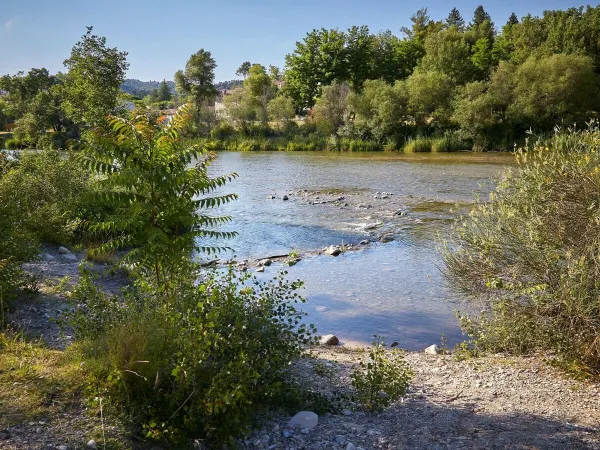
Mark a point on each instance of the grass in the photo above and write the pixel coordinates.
(39, 384)
(36, 382)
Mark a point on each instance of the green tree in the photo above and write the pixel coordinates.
(161, 200)
(360, 56)
(275, 73)
(244, 69)
(197, 80)
(394, 58)
(447, 52)
(430, 95)
(260, 89)
(281, 108)
(163, 93)
(512, 19)
(422, 26)
(93, 81)
(479, 16)
(330, 108)
(455, 19)
(317, 61)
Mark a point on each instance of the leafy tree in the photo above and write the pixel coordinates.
(275, 73)
(483, 57)
(422, 26)
(360, 52)
(281, 108)
(92, 83)
(331, 107)
(241, 106)
(429, 96)
(197, 80)
(260, 89)
(317, 61)
(394, 58)
(244, 69)
(447, 52)
(455, 19)
(161, 202)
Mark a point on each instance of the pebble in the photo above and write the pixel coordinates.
(285, 197)
(340, 439)
(350, 446)
(286, 434)
(91, 443)
(260, 269)
(304, 419)
(347, 412)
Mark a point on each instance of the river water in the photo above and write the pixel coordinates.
(394, 290)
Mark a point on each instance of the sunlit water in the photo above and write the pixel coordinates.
(393, 290)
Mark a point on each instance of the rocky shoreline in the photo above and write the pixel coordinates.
(491, 402)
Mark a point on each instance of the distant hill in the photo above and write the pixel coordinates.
(143, 88)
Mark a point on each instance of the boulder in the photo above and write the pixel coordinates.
(432, 350)
(63, 250)
(304, 419)
(47, 257)
(285, 197)
(329, 339)
(266, 262)
(394, 344)
(260, 269)
(332, 250)
(69, 257)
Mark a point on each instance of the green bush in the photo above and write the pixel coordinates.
(44, 194)
(421, 144)
(382, 378)
(205, 365)
(529, 258)
(223, 130)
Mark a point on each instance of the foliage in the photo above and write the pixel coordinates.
(382, 378)
(197, 80)
(159, 200)
(331, 107)
(281, 108)
(93, 81)
(529, 257)
(205, 366)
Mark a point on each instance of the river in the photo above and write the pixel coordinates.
(394, 290)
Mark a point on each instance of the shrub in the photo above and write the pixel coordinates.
(529, 258)
(420, 144)
(223, 130)
(205, 365)
(382, 378)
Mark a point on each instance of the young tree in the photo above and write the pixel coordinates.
(447, 52)
(93, 81)
(243, 69)
(260, 89)
(281, 108)
(455, 19)
(197, 80)
(330, 108)
(275, 73)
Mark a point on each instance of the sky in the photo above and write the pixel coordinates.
(161, 35)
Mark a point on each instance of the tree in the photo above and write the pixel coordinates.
(160, 200)
(422, 26)
(243, 69)
(394, 58)
(454, 19)
(281, 108)
(275, 73)
(163, 93)
(93, 81)
(317, 61)
(479, 16)
(447, 52)
(197, 80)
(429, 97)
(512, 20)
(260, 89)
(360, 54)
(330, 108)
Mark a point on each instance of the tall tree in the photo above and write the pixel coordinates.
(455, 19)
(163, 93)
(480, 16)
(243, 69)
(512, 20)
(421, 27)
(93, 81)
(197, 80)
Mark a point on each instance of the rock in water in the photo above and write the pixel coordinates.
(260, 269)
(329, 339)
(432, 349)
(386, 238)
(394, 344)
(304, 419)
(285, 197)
(332, 251)
(364, 242)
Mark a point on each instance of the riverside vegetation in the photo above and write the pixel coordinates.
(183, 352)
(444, 85)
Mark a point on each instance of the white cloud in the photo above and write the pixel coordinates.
(8, 25)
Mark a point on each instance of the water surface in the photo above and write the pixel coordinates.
(394, 290)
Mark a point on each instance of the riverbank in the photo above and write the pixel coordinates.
(491, 402)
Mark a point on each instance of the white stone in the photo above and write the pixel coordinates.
(332, 250)
(432, 349)
(304, 419)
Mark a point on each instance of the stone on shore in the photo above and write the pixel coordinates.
(432, 350)
(332, 250)
(329, 339)
(69, 257)
(304, 419)
(63, 250)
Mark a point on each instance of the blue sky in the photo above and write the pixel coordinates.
(160, 36)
